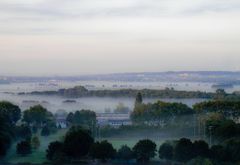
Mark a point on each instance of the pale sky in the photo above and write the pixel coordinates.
(73, 37)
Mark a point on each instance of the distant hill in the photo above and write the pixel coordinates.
(180, 76)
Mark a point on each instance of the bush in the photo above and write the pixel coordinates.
(24, 148)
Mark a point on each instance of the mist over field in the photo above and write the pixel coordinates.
(119, 82)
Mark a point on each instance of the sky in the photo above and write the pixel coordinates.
(74, 37)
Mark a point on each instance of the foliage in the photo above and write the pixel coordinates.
(11, 113)
(125, 153)
(139, 99)
(77, 142)
(6, 135)
(35, 143)
(37, 115)
(53, 149)
(84, 118)
(121, 108)
(102, 150)
(159, 112)
(144, 150)
(219, 153)
(166, 151)
(5, 142)
(222, 129)
(24, 148)
(201, 148)
(80, 91)
(184, 150)
(228, 108)
(23, 131)
(45, 131)
(232, 147)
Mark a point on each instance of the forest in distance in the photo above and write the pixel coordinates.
(80, 91)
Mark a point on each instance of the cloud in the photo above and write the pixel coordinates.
(89, 33)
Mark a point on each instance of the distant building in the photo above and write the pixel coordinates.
(61, 122)
(60, 117)
(119, 122)
(113, 119)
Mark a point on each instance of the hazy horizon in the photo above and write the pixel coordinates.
(78, 37)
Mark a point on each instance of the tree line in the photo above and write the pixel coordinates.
(22, 128)
(80, 91)
(79, 145)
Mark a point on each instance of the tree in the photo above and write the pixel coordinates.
(159, 112)
(85, 118)
(70, 118)
(125, 153)
(37, 115)
(23, 131)
(144, 150)
(233, 148)
(102, 150)
(5, 136)
(45, 131)
(77, 142)
(139, 99)
(53, 149)
(121, 108)
(11, 112)
(5, 142)
(24, 148)
(201, 148)
(35, 143)
(184, 150)
(166, 151)
(218, 152)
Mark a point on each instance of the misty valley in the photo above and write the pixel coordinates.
(42, 124)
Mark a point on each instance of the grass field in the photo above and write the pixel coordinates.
(38, 156)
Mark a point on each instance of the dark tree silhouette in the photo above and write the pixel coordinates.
(11, 112)
(184, 150)
(102, 151)
(125, 153)
(144, 150)
(45, 131)
(53, 149)
(77, 142)
(24, 148)
(166, 151)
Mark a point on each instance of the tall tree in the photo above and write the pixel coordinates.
(37, 115)
(24, 148)
(144, 150)
(166, 151)
(102, 151)
(77, 142)
(10, 111)
(139, 99)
